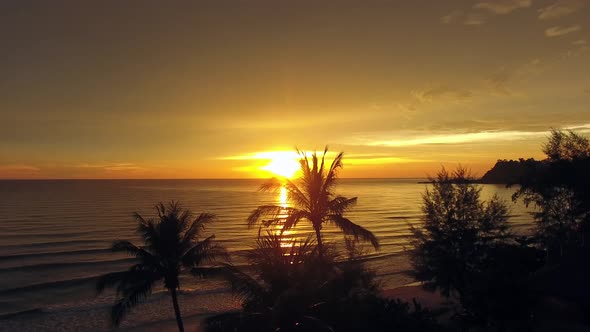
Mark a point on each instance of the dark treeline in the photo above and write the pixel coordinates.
(465, 250)
(512, 171)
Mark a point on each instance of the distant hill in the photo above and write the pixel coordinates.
(511, 171)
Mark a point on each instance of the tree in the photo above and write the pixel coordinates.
(171, 247)
(566, 146)
(453, 247)
(289, 288)
(313, 199)
(560, 191)
(280, 288)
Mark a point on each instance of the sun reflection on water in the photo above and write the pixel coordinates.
(283, 197)
(287, 239)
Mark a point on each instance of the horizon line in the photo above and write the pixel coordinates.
(183, 179)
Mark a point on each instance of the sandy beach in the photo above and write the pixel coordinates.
(156, 314)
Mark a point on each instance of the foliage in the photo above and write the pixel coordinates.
(561, 194)
(362, 312)
(464, 249)
(511, 171)
(172, 245)
(458, 229)
(292, 288)
(313, 199)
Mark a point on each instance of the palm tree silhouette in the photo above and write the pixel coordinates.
(313, 199)
(280, 289)
(171, 247)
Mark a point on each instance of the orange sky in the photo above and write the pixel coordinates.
(196, 89)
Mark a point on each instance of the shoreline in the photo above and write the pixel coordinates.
(157, 315)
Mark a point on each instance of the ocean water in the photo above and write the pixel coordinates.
(55, 235)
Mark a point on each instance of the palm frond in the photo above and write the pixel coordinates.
(271, 185)
(109, 280)
(197, 226)
(206, 251)
(357, 231)
(292, 218)
(147, 229)
(133, 250)
(131, 298)
(244, 286)
(333, 173)
(123, 245)
(296, 195)
(273, 211)
(340, 204)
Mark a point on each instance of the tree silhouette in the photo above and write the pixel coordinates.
(289, 288)
(171, 247)
(314, 200)
(560, 191)
(280, 288)
(459, 231)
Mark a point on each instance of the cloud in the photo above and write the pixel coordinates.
(490, 136)
(12, 171)
(474, 19)
(560, 8)
(502, 7)
(266, 155)
(19, 168)
(464, 18)
(114, 167)
(493, 7)
(579, 42)
(498, 82)
(581, 127)
(442, 92)
(380, 160)
(452, 17)
(560, 31)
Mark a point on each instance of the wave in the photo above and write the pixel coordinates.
(51, 266)
(55, 243)
(51, 284)
(55, 253)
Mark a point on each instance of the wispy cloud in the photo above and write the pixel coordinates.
(560, 31)
(459, 138)
(498, 82)
(479, 13)
(380, 160)
(442, 92)
(19, 168)
(560, 8)
(579, 42)
(9, 171)
(474, 19)
(265, 155)
(114, 167)
(502, 7)
(452, 17)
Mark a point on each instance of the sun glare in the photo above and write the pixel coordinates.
(283, 164)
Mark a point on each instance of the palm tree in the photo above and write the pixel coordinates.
(279, 290)
(313, 199)
(171, 247)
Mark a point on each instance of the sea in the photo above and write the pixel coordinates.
(55, 237)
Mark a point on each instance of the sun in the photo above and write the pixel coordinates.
(284, 164)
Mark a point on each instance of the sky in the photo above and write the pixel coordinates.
(211, 89)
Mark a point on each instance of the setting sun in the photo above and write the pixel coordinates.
(283, 164)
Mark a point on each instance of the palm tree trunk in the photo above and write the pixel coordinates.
(320, 245)
(177, 310)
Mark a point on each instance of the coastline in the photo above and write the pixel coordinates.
(156, 315)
